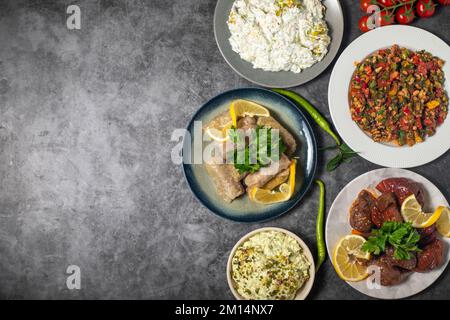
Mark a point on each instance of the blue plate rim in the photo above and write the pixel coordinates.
(314, 156)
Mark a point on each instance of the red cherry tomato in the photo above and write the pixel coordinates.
(384, 18)
(425, 8)
(444, 2)
(386, 3)
(405, 14)
(362, 24)
(365, 4)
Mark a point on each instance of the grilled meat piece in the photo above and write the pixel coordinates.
(430, 257)
(386, 200)
(386, 210)
(392, 214)
(390, 275)
(427, 235)
(377, 217)
(265, 174)
(409, 264)
(285, 135)
(360, 212)
(402, 187)
(427, 240)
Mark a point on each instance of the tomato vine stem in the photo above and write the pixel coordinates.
(401, 4)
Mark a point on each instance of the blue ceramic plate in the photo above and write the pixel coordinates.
(292, 118)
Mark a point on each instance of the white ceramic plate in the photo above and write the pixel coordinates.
(338, 226)
(304, 290)
(379, 153)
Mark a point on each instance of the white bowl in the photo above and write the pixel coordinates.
(303, 291)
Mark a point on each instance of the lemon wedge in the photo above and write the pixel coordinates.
(412, 212)
(268, 197)
(348, 258)
(219, 135)
(443, 223)
(240, 108)
(265, 196)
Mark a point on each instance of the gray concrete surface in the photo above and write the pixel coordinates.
(85, 173)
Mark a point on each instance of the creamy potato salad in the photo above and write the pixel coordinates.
(279, 35)
(270, 265)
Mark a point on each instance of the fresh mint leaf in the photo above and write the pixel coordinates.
(334, 163)
(345, 154)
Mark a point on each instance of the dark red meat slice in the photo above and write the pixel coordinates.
(427, 240)
(427, 235)
(430, 257)
(386, 200)
(377, 217)
(386, 210)
(389, 275)
(402, 187)
(392, 214)
(409, 264)
(360, 212)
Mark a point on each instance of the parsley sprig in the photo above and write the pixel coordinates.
(400, 235)
(244, 160)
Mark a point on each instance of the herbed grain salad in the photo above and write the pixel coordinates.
(397, 95)
(279, 35)
(270, 265)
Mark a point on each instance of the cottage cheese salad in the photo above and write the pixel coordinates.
(279, 35)
(270, 265)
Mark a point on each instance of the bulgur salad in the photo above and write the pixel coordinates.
(279, 35)
(397, 95)
(270, 265)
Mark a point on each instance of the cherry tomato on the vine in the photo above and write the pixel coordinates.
(362, 24)
(384, 18)
(405, 14)
(386, 3)
(444, 2)
(425, 8)
(365, 4)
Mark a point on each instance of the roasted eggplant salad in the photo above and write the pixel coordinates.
(251, 153)
(391, 232)
(397, 95)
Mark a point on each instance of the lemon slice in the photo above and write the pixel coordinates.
(219, 135)
(412, 212)
(268, 197)
(265, 196)
(348, 258)
(240, 108)
(443, 223)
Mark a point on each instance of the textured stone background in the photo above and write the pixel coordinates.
(85, 174)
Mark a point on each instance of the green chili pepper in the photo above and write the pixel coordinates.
(308, 107)
(321, 250)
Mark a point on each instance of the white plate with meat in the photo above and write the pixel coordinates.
(373, 191)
